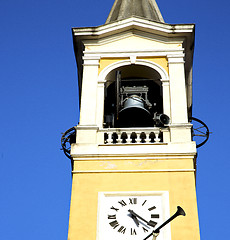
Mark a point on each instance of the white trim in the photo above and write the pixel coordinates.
(85, 57)
(134, 193)
(91, 62)
(87, 127)
(133, 59)
(137, 23)
(180, 125)
(157, 156)
(134, 171)
(176, 60)
(139, 53)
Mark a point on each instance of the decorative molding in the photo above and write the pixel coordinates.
(137, 23)
(165, 82)
(91, 62)
(101, 83)
(133, 59)
(180, 125)
(138, 53)
(134, 171)
(176, 58)
(87, 127)
(147, 156)
(90, 57)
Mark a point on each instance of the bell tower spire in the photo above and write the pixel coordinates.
(123, 9)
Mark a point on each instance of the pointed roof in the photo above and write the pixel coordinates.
(123, 9)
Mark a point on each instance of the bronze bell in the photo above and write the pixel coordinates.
(134, 113)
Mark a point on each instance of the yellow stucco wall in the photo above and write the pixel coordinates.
(85, 188)
(104, 62)
(162, 61)
(121, 164)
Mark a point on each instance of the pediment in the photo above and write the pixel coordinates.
(135, 33)
(133, 40)
(133, 23)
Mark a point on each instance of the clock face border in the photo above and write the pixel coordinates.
(104, 197)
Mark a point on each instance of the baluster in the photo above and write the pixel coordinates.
(110, 137)
(138, 139)
(119, 139)
(129, 139)
(147, 139)
(156, 138)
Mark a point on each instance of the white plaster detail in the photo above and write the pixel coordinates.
(138, 53)
(134, 22)
(133, 157)
(165, 82)
(176, 58)
(91, 57)
(87, 127)
(133, 59)
(91, 62)
(135, 171)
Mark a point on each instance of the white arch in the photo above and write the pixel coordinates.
(150, 64)
(164, 78)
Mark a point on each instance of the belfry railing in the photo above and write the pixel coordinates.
(132, 135)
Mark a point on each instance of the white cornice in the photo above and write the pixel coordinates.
(134, 22)
(132, 156)
(171, 52)
(135, 171)
(177, 53)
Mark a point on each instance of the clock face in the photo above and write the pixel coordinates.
(130, 216)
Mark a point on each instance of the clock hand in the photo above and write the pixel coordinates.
(135, 219)
(150, 223)
(179, 211)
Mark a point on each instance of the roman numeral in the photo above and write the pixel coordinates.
(155, 215)
(122, 229)
(133, 232)
(144, 229)
(112, 216)
(113, 208)
(122, 203)
(144, 202)
(133, 201)
(150, 209)
(152, 223)
(114, 224)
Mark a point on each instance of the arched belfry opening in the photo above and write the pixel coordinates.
(133, 97)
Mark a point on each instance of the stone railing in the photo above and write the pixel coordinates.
(132, 135)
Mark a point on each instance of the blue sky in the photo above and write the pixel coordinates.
(39, 101)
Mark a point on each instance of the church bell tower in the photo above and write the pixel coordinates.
(133, 156)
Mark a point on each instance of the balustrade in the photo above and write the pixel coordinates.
(132, 136)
